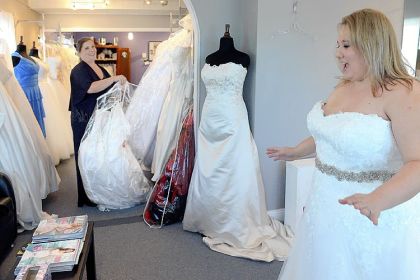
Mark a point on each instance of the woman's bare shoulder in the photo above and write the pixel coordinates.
(402, 100)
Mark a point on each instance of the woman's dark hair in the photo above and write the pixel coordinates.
(81, 42)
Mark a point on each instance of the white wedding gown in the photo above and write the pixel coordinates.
(146, 105)
(111, 175)
(48, 181)
(57, 124)
(226, 198)
(20, 161)
(174, 108)
(335, 241)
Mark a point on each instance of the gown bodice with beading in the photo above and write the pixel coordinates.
(367, 138)
(356, 153)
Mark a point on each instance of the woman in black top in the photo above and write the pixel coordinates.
(88, 81)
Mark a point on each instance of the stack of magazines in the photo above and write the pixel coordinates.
(59, 255)
(40, 272)
(65, 228)
(57, 243)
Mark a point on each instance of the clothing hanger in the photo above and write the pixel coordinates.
(294, 26)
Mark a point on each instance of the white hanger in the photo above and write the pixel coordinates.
(294, 26)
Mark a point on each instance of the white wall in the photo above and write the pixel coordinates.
(293, 72)
(20, 11)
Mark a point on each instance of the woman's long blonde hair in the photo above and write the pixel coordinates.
(373, 35)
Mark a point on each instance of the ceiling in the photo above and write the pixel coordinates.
(115, 7)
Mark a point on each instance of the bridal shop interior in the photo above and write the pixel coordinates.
(292, 66)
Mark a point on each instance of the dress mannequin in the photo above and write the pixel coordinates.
(20, 49)
(34, 51)
(227, 52)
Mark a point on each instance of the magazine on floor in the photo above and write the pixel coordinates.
(61, 229)
(59, 255)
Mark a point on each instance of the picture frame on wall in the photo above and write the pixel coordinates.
(151, 50)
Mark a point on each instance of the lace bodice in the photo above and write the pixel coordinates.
(225, 79)
(354, 141)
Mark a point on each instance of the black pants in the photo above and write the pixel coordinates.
(78, 131)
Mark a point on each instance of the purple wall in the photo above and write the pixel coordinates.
(137, 46)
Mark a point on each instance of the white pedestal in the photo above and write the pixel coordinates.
(299, 175)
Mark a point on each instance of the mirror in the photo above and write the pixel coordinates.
(411, 32)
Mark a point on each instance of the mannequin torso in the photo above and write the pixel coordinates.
(228, 53)
(20, 49)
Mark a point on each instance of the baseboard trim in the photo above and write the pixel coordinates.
(277, 214)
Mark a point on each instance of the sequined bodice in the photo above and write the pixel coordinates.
(224, 80)
(353, 141)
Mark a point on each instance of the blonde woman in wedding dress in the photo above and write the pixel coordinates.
(366, 137)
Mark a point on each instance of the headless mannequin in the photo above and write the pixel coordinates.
(34, 51)
(20, 49)
(227, 52)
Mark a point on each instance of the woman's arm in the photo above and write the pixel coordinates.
(103, 84)
(404, 112)
(303, 149)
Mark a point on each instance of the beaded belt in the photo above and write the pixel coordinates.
(360, 177)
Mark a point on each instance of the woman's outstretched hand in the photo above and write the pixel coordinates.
(281, 153)
(366, 204)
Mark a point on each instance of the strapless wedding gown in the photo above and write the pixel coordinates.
(226, 198)
(335, 241)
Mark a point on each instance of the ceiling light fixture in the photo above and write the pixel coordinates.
(89, 4)
(147, 2)
(164, 2)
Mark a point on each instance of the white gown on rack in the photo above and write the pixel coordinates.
(63, 94)
(226, 198)
(335, 241)
(57, 124)
(19, 160)
(145, 108)
(48, 180)
(174, 108)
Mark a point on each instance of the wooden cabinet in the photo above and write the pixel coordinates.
(118, 58)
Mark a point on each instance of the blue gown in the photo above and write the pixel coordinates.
(26, 73)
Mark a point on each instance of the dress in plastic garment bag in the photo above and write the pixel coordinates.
(166, 204)
(111, 175)
(145, 108)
